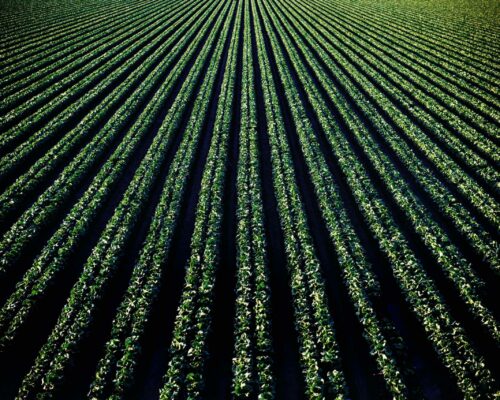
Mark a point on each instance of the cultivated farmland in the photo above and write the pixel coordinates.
(249, 199)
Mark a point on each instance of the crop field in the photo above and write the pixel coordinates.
(249, 199)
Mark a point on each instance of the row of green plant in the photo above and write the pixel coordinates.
(373, 89)
(454, 30)
(445, 201)
(415, 111)
(469, 102)
(53, 257)
(117, 367)
(439, 113)
(76, 317)
(23, 46)
(53, 117)
(449, 54)
(356, 271)
(184, 377)
(421, 292)
(252, 361)
(33, 219)
(446, 254)
(319, 354)
(60, 74)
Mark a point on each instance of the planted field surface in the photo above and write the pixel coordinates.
(249, 199)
